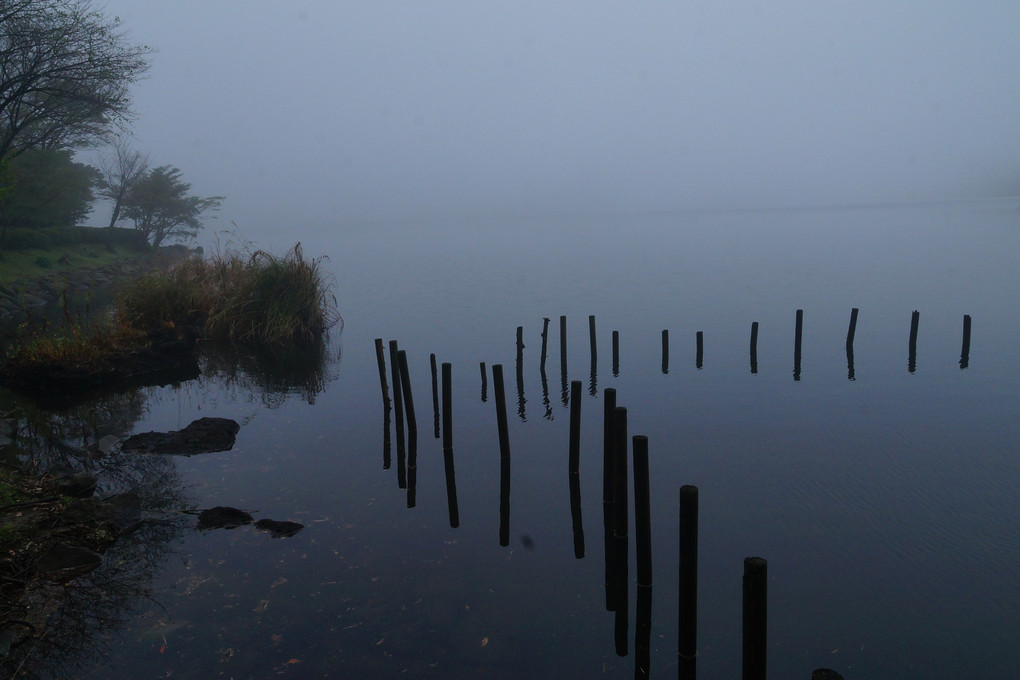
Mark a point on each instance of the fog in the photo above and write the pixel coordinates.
(310, 115)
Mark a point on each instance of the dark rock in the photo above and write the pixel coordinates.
(222, 517)
(825, 674)
(125, 509)
(75, 484)
(279, 529)
(64, 561)
(204, 435)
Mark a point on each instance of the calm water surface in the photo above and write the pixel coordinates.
(885, 505)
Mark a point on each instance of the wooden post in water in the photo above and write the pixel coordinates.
(687, 647)
(915, 317)
(405, 385)
(665, 351)
(447, 406)
(520, 373)
(485, 380)
(797, 337)
(608, 507)
(435, 395)
(504, 455)
(451, 479)
(564, 396)
(965, 350)
(755, 618)
(852, 330)
(574, 456)
(545, 342)
(620, 525)
(642, 512)
(754, 347)
(700, 351)
(398, 408)
(382, 371)
(387, 407)
(573, 467)
(616, 353)
(850, 345)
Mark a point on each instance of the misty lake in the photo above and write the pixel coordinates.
(886, 505)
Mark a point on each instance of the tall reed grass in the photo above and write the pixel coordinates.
(258, 298)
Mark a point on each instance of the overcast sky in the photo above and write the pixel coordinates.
(321, 112)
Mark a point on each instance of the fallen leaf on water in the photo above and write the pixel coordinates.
(292, 661)
(485, 641)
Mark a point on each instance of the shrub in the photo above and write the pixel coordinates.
(43, 262)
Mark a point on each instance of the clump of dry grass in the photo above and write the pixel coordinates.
(258, 298)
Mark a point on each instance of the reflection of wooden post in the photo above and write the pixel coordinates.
(412, 467)
(435, 395)
(755, 617)
(688, 577)
(965, 350)
(754, 347)
(591, 338)
(609, 405)
(485, 380)
(665, 351)
(620, 494)
(643, 633)
(700, 354)
(797, 335)
(575, 514)
(405, 385)
(575, 427)
(912, 358)
(616, 352)
(642, 512)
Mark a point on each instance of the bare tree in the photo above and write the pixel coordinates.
(118, 173)
(64, 74)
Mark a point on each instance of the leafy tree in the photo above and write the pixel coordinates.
(46, 188)
(118, 173)
(64, 74)
(161, 207)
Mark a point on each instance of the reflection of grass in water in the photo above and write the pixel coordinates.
(271, 372)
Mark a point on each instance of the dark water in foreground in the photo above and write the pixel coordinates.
(885, 505)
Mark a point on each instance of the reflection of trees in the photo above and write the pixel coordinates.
(81, 615)
(271, 373)
(73, 621)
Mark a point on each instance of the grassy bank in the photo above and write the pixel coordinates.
(255, 299)
(26, 265)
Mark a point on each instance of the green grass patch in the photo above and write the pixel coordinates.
(23, 265)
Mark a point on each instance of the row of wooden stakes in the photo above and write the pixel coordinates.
(615, 497)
